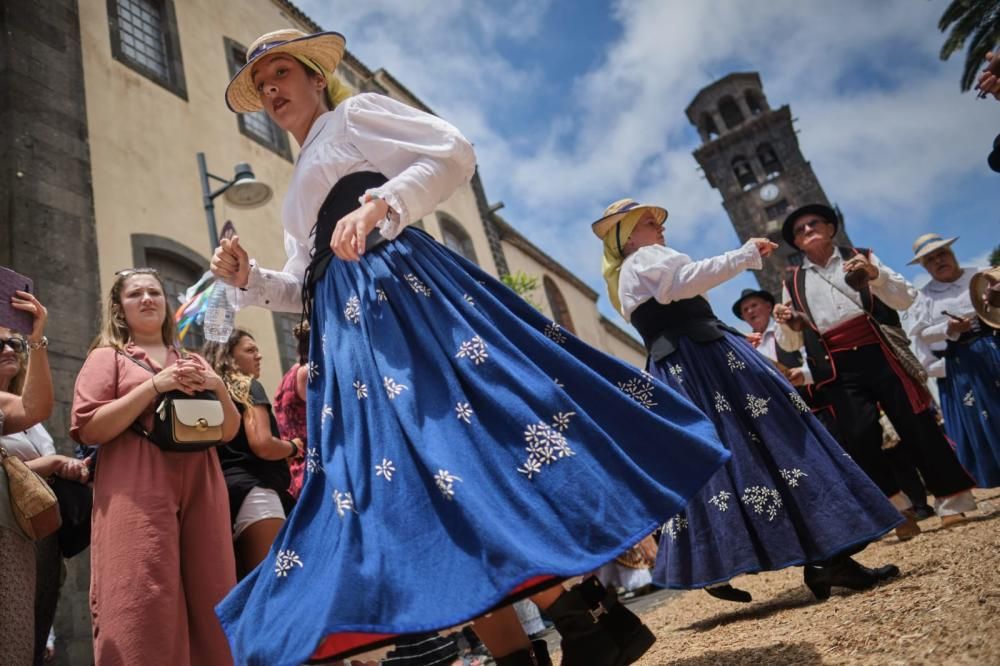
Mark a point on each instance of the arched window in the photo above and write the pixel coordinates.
(560, 311)
(768, 160)
(744, 174)
(730, 112)
(708, 127)
(177, 274)
(455, 237)
(753, 102)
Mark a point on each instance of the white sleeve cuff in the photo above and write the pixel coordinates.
(398, 218)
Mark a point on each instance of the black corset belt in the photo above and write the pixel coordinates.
(342, 199)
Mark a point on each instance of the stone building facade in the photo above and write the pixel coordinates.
(104, 106)
(750, 153)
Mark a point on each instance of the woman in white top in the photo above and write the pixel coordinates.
(464, 451)
(789, 495)
(970, 385)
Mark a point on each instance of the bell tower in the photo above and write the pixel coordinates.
(750, 154)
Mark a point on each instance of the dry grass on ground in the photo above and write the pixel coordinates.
(944, 609)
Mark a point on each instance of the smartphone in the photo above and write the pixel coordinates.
(16, 320)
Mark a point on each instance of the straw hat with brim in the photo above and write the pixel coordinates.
(619, 209)
(827, 213)
(750, 293)
(323, 48)
(978, 286)
(929, 243)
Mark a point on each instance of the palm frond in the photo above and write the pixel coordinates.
(985, 40)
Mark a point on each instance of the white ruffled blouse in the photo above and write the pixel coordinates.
(425, 159)
(664, 274)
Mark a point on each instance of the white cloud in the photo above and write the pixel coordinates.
(888, 144)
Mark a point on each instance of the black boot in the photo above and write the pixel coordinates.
(844, 572)
(536, 655)
(596, 629)
(729, 593)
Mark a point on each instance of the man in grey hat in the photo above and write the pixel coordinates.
(838, 303)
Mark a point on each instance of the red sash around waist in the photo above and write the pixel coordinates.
(860, 332)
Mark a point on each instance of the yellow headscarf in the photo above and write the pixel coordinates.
(336, 92)
(614, 241)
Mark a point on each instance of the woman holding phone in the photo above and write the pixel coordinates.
(23, 405)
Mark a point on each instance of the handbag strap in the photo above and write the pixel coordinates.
(135, 426)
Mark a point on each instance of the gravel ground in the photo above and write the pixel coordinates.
(944, 609)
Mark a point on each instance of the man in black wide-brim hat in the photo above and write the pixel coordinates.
(840, 304)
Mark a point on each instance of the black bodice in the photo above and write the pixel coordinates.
(661, 326)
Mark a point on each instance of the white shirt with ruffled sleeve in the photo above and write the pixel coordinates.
(425, 159)
(664, 274)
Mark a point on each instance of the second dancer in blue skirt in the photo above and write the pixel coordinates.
(789, 495)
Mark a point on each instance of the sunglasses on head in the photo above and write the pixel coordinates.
(17, 345)
(125, 272)
(808, 224)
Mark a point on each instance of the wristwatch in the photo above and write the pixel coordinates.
(41, 344)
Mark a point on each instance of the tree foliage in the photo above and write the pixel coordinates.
(976, 22)
(522, 284)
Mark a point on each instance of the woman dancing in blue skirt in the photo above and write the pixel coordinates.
(464, 451)
(789, 495)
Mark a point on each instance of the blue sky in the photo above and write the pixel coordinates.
(572, 105)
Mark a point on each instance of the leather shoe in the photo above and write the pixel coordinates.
(953, 520)
(909, 528)
(729, 593)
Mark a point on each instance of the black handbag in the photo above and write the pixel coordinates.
(183, 423)
(76, 502)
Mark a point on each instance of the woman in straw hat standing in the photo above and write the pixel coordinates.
(464, 451)
(970, 387)
(789, 495)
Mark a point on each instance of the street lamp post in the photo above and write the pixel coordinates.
(243, 191)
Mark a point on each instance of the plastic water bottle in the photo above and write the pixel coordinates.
(220, 315)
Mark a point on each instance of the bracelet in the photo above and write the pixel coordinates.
(295, 449)
(153, 382)
(41, 344)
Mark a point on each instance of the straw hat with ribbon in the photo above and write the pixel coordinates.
(319, 51)
(927, 244)
(614, 228)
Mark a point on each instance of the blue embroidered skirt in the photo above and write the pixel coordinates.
(789, 495)
(970, 402)
(462, 447)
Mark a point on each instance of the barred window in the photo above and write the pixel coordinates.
(288, 344)
(144, 37)
(257, 126)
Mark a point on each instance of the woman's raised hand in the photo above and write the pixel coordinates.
(231, 263)
(764, 246)
(211, 380)
(186, 375)
(26, 302)
(349, 236)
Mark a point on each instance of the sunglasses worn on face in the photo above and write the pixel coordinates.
(808, 224)
(16, 344)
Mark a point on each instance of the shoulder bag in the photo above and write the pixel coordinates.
(32, 501)
(181, 422)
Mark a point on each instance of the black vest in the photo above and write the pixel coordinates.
(817, 355)
(661, 326)
(343, 198)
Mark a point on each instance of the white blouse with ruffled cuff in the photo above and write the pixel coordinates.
(425, 159)
(662, 273)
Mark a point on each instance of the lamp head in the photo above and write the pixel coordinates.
(246, 191)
